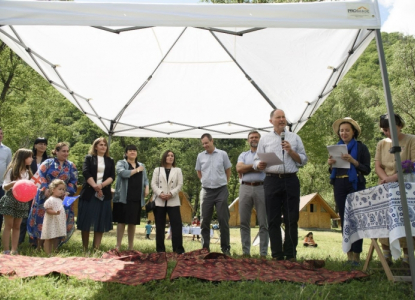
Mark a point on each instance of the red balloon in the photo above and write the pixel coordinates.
(24, 190)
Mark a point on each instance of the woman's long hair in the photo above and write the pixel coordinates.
(164, 157)
(93, 151)
(34, 150)
(18, 165)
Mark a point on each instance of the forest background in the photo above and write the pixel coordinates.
(30, 107)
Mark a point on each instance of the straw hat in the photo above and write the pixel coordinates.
(337, 123)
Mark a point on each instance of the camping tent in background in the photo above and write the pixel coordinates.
(221, 69)
(216, 68)
(315, 212)
(235, 219)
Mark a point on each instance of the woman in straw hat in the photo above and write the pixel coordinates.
(346, 181)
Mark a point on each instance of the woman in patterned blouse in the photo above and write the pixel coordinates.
(58, 167)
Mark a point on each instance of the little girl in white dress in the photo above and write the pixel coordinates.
(54, 223)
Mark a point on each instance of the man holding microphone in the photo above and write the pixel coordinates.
(281, 185)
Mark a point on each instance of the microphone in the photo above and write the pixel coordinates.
(282, 140)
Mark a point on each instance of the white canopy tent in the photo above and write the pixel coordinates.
(215, 68)
(221, 68)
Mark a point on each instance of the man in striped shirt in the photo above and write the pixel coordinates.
(281, 185)
(251, 193)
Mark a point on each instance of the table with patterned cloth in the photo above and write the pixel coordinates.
(376, 212)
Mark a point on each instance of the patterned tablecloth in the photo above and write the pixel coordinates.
(377, 213)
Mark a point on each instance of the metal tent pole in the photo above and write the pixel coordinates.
(396, 151)
(110, 133)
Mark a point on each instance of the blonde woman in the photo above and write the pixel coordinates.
(94, 209)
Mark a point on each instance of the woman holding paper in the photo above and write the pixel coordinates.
(351, 179)
(94, 208)
(58, 167)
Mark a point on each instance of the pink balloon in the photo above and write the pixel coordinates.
(24, 190)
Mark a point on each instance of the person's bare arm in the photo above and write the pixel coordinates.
(228, 174)
(382, 174)
(294, 155)
(50, 211)
(8, 186)
(243, 168)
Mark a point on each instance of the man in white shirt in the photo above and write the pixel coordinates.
(5, 159)
(281, 185)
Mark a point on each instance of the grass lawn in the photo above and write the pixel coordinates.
(329, 249)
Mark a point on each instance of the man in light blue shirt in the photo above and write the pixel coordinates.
(251, 193)
(214, 170)
(281, 185)
(5, 159)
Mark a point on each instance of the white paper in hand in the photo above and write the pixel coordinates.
(270, 158)
(336, 152)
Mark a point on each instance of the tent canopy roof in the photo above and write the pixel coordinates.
(131, 13)
(180, 70)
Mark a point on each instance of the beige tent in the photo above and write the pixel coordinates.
(234, 219)
(315, 212)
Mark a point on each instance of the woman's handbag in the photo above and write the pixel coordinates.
(151, 205)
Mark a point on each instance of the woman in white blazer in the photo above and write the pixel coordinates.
(166, 183)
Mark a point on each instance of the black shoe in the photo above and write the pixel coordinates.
(278, 258)
(291, 258)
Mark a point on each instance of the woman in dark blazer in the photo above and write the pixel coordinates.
(94, 208)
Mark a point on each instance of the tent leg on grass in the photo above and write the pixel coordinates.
(396, 151)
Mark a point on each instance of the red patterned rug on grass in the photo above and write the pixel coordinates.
(196, 254)
(129, 267)
(218, 267)
(133, 268)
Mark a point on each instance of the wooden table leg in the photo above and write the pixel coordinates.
(375, 246)
(369, 255)
(383, 261)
